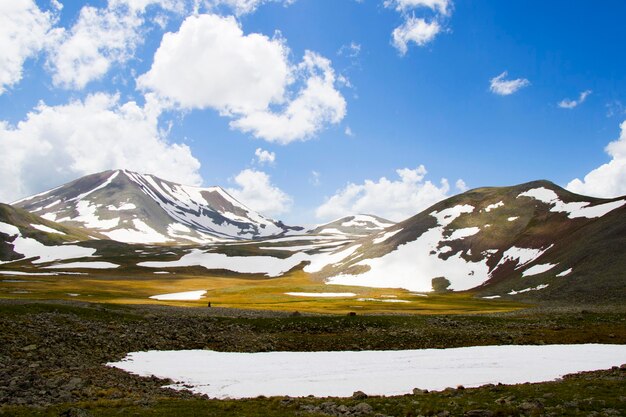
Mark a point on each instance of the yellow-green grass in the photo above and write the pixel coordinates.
(245, 293)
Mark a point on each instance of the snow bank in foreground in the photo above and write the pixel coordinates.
(245, 375)
(180, 296)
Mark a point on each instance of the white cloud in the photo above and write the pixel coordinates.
(570, 104)
(258, 193)
(441, 6)
(460, 185)
(394, 200)
(315, 178)
(211, 63)
(415, 30)
(264, 156)
(317, 104)
(23, 30)
(348, 132)
(608, 180)
(418, 30)
(504, 87)
(241, 7)
(100, 38)
(351, 50)
(56, 144)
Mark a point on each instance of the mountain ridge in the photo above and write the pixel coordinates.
(140, 208)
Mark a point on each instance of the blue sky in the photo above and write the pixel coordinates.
(361, 106)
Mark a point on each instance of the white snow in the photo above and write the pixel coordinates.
(463, 233)
(494, 206)
(523, 256)
(86, 265)
(412, 266)
(491, 297)
(362, 220)
(538, 269)
(101, 186)
(339, 374)
(512, 219)
(123, 207)
(575, 209)
(142, 233)
(537, 288)
(565, 273)
(267, 265)
(180, 296)
(46, 229)
(32, 248)
(21, 273)
(386, 236)
(321, 260)
(87, 215)
(322, 294)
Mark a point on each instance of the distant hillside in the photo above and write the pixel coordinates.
(358, 225)
(135, 208)
(535, 240)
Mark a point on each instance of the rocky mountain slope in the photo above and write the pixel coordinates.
(532, 240)
(526, 242)
(129, 207)
(358, 225)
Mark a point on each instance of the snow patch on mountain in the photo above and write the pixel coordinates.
(574, 210)
(415, 264)
(385, 236)
(538, 269)
(46, 229)
(565, 273)
(31, 248)
(494, 206)
(521, 256)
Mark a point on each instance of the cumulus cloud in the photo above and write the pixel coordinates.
(56, 144)
(504, 87)
(211, 63)
(608, 180)
(392, 199)
(241, 7)
(460, 185)
(263, 156)
(100, 38)
(570, 104)
(23, 31)
(317, 104)
(256, 191)
(415, 30)
(442, 6)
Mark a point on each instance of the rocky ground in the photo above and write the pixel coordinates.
(52, 357)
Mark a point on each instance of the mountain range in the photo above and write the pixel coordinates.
(528, 242)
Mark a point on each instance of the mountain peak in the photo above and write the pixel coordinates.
(143, 208)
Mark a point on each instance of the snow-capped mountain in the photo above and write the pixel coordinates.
(535, 239)
(358, 225)
(136, 208)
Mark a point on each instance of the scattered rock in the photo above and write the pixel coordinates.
(362, 408)
(75, 412)
(479, 413)
(359, 395)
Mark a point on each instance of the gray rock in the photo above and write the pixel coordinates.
(362, 408)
